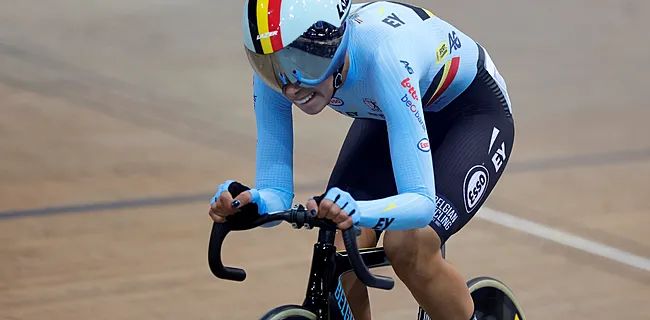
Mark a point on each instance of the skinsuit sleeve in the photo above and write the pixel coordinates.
(397, 92)
(274, 154)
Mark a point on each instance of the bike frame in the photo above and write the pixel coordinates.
(325, 296)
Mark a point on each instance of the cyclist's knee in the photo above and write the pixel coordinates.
(410, 250)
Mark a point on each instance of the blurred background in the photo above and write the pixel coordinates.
(119, 119)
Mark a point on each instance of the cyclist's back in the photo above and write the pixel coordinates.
(442, 58)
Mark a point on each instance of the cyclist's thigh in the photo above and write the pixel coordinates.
(471, 157)
(363, 167)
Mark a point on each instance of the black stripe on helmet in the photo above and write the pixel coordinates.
(252, 25)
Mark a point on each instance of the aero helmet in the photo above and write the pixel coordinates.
(296, 41)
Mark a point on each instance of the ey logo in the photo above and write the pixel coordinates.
(393, 21)
(383, 223)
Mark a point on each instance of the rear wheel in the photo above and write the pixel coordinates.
(289, 312)
(493, 300)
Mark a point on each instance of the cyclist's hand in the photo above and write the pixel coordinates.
(223, 205)
(338, 206)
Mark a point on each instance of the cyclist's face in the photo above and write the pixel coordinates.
(310, 100)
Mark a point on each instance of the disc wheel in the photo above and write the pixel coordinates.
(493, 300)
(289, 312)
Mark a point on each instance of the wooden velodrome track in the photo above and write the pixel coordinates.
(119, 119)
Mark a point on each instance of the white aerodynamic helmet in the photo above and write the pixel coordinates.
(295, 41)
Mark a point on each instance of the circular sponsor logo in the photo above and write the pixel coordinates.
(423, 145)
(371, 104)
(475, 185)
(336, 102)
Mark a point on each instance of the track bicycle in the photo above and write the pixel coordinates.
(325, 298)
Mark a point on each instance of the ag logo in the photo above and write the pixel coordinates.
(407, 66)
(454, 41)
(475, 185)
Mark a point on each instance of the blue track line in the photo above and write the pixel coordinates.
(102, 206)
(513, 168)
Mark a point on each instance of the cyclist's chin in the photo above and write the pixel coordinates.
(315, 105)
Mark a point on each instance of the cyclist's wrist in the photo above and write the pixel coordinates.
(257, 199)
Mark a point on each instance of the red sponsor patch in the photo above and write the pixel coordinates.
(406, 83)
(336, 102)
(423, 145)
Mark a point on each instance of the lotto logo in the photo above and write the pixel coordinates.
(406, 83)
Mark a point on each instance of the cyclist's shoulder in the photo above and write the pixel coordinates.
(397, 26)
(383, 11)
(394, 15)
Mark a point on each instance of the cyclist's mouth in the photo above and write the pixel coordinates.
(305, 99)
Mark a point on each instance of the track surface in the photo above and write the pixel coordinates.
(119, 101)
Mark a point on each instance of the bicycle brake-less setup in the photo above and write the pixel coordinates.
(325, 298)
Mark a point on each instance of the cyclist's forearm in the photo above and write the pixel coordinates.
(401, 212)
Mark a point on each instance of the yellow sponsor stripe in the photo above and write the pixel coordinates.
(263, 24)
(444, 76)
(391, 206)
(429, 13)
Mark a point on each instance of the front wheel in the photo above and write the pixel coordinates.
(493, 300)
(289, 312)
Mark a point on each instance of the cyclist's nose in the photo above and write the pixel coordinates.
(291, 91)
